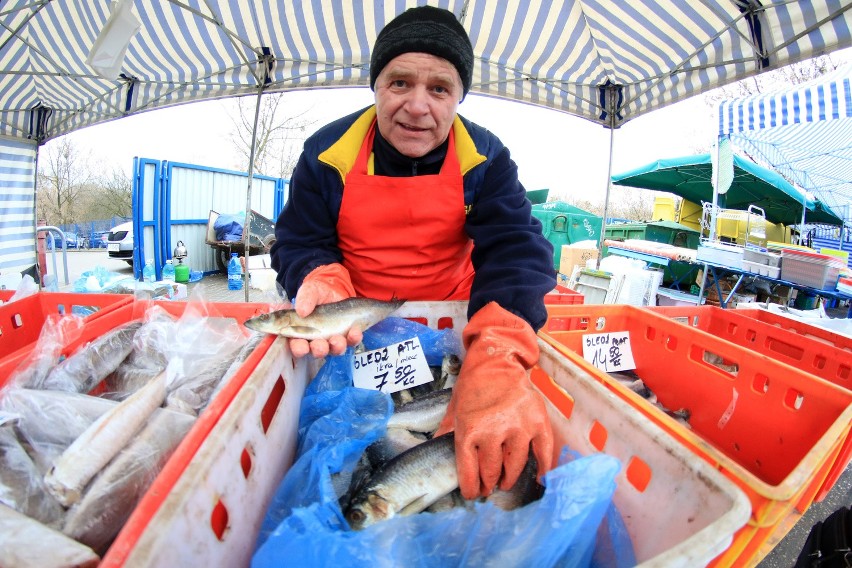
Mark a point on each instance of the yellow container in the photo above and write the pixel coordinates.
(664, 209)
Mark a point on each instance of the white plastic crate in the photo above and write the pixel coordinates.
(761, 269)
(212, 515)
(679, 511)
(720, 253)
(814, 270)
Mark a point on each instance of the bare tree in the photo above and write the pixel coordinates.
(280, 134)
(62, 177)
(108, 196)
(793, 74)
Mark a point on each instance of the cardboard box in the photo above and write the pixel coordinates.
(575, 256)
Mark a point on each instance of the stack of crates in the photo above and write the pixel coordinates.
(207, 503)
(756, 410)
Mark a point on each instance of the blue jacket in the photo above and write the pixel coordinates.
(512, 260)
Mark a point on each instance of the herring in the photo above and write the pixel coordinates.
(407, 484)
(326, 320)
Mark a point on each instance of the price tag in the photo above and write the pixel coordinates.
(609, 352)
(393, 368)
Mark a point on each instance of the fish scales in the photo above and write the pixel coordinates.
(326, 320)
(407, 484)
(423, 414)
(95, 447)
(87, 367)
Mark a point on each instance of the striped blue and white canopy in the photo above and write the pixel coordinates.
(803, 132)
(604, 60)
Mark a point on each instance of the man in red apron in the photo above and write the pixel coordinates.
(407, 199)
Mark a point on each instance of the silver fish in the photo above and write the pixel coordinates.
(21, 485)
(525, 490)
(326, 320)
(95, 447)
(407, 484)
(423, 414)
(24, 542)
(393, 443)
(91, 364)
(113, 494)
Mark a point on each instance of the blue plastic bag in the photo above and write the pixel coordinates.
(229, 227)
(304, 525)
(435, 342)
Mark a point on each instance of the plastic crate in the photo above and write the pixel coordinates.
(774, 430)
(686, 531)
(818, 358)
(800, 326)
(819, 271)
(249, 384)
(206, 506)
(563, 295)
(21, 321)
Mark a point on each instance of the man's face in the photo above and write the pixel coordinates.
(417, 95)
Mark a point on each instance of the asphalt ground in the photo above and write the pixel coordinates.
(777, 553)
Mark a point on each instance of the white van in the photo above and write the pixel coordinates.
(120, 242)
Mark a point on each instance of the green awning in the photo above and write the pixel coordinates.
(690, 177)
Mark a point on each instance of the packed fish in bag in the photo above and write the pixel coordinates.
(76, 463)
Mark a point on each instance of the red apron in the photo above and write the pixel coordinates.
(404, 237)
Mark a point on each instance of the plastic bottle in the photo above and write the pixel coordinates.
(235, 273)
(169, 271)
(148, 273)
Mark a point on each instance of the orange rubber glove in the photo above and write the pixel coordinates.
(323, 285)
(495, 411)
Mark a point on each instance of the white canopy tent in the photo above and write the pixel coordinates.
(601, 60)
(803, 132)
(604, 61)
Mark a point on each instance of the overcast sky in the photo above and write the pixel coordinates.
(553, 150)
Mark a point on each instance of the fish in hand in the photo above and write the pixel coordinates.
(326, 320)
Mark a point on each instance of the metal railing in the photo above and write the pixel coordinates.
(49, 229)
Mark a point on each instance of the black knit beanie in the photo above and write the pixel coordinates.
(425, 29)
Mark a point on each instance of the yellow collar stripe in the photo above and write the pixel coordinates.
(342, 154)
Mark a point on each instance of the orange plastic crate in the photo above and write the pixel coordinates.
(206, 421)
(798, 326)
(21, 321)
(803, 351)
(563, 295)
(774, 430)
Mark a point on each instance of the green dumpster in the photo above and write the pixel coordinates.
(565, 224)
(668, 232)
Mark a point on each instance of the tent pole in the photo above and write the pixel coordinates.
(712, 233)
(611, 94)
(266, 60)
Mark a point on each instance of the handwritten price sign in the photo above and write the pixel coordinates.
(609, 352)
(392, 368)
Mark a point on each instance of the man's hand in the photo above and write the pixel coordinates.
(323, 285)
(495, 411)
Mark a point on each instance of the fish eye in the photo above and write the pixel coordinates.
(356, 516)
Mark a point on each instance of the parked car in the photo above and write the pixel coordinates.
(120, 242)
(99, 239)
(71, 241)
